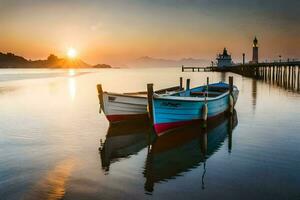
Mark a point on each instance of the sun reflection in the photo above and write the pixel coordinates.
(72, 87)
(53, 184)
(71, 72)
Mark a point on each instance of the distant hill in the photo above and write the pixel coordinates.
(147, 61)
(10, 60)
(101, 66)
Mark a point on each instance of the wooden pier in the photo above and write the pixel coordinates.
(197, 69)
(285, 74)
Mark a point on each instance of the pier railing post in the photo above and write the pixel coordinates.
(150, 99)
(180, 83)
(188, 81)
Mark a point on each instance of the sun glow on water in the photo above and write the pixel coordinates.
(72, 88)
(71, 72)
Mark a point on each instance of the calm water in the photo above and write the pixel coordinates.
(50, 132)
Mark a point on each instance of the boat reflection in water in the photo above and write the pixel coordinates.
(185, 148)
(124, 139)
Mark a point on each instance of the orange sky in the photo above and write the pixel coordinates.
(120, 31)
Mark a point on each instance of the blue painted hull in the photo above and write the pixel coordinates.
(179, 109)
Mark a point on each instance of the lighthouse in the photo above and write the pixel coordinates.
(255, 51)
(224, 60)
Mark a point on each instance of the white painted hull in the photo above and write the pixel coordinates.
(118, 107)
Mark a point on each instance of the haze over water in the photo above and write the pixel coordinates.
(50, 131)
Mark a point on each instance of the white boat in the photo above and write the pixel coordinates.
(126, 106)
(119, 107)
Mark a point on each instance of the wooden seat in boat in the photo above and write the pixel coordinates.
(198, 93)
(203, 94)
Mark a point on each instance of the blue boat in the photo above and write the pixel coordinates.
(199, 103)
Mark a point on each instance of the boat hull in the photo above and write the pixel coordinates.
(118, 107)
(170, 113)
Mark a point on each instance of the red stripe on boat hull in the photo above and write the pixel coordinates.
(118, 118)
(162, 128)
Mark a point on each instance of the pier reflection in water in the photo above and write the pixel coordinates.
(178, 151)
(254, 93)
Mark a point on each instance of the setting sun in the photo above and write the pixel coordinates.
(72, 53)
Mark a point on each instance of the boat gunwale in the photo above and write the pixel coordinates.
(124, 95)
(193, 99)
(143, 94)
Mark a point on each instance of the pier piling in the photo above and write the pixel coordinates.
(283, 74)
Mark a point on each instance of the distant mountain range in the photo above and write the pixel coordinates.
(147, 61)
(10, 60)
